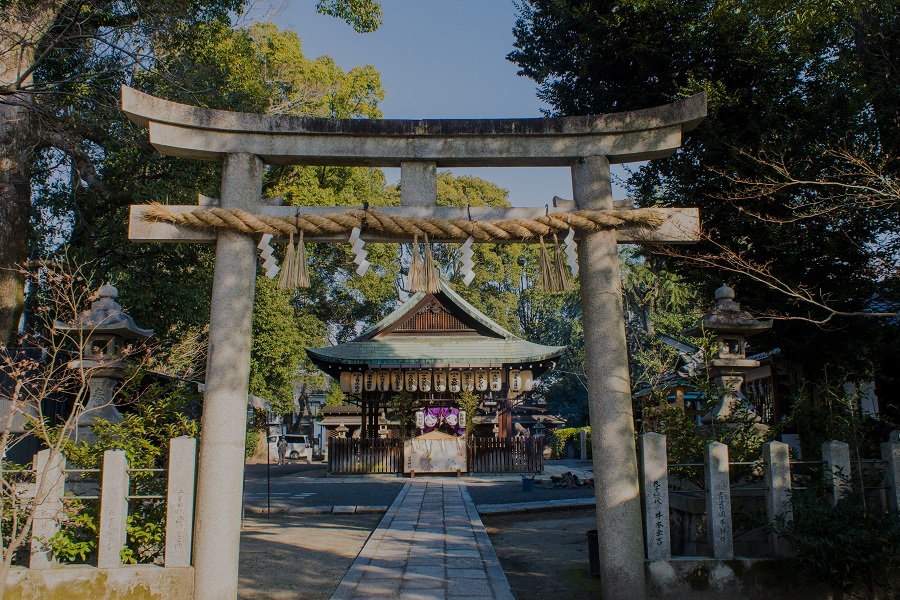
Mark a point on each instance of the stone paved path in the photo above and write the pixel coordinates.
(430, 544)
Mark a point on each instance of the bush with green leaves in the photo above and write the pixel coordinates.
(565, 436)
(852, 546)
(155, 414)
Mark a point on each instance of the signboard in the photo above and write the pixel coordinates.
(435, 452)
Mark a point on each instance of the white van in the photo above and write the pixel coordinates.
(297, 445)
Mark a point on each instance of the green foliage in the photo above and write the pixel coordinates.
(251, 441)
(823, 411)
(363, 15)
(152, 415)
(146, 535)
(570, 435)
(852, 548)
(77, 536)
(401, 409)
(334, 396)
(468, 402)
(279, 336)
(799, 94)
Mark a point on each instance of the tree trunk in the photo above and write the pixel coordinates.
(16, 135)
(17, 139)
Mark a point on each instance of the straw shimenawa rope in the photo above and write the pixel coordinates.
(405, 226)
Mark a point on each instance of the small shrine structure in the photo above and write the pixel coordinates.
(432, 349)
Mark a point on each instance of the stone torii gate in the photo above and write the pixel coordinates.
(245, 143)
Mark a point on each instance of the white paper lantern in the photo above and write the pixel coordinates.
(345, 382)
(468, 381)
(425, 380)
(481, 381)
(527, 381)
(371, 381)
(462, 419)
(515, 380)
(411, 381)
(454, 381)
(420, 419)
(384, 381)
(397, 381)
(496, 380)
(440, 380)
(356, 382)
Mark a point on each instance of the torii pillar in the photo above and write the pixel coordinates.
(245, 142)
(217, 532)
(616, 486)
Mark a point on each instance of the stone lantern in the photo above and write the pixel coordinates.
(730, 327)
(341, 431)
(104, 331)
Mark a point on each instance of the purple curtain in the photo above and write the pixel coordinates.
(444, 418)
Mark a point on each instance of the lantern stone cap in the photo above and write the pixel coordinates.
(105, 317)
(726, 317)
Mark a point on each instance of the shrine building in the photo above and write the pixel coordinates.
(427, 353)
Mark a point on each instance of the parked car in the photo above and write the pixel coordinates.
(297, 445)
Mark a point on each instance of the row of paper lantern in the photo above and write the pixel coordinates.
(440, 380)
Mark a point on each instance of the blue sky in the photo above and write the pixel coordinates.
(440, 59)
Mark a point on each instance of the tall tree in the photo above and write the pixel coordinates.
(790, 86)
(62, 61)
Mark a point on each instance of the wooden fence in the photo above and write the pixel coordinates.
(512, 455)
(349, 455)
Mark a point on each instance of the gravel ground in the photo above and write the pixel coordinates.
(544, 554)
(300, 557)
(502, 492)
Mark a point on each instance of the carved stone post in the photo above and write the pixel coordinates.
(836, 459)
(113, 509)
(656, 496)
(180, 501)
(890, 454)
(719, 532)
(217, 529)
(777, 475)
(50, 486)
(619, 523)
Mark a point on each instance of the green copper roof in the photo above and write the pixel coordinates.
(454, 298)
(435, 351)
(492, 346)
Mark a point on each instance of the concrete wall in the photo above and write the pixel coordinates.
(139, 582)
(708, 579)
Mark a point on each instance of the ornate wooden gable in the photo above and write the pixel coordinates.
(430, 316)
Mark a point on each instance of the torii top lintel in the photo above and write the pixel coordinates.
(207, 134)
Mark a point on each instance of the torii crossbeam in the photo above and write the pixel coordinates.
(247, 142)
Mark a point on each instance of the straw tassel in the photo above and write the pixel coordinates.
(563, 278)
(414, 277)
(301, 266)
(547, 278)
(431, 281)
(288, 280)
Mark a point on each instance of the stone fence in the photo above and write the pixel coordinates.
(172, 577)
(671, 502)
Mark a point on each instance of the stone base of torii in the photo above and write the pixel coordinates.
(246, 143)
